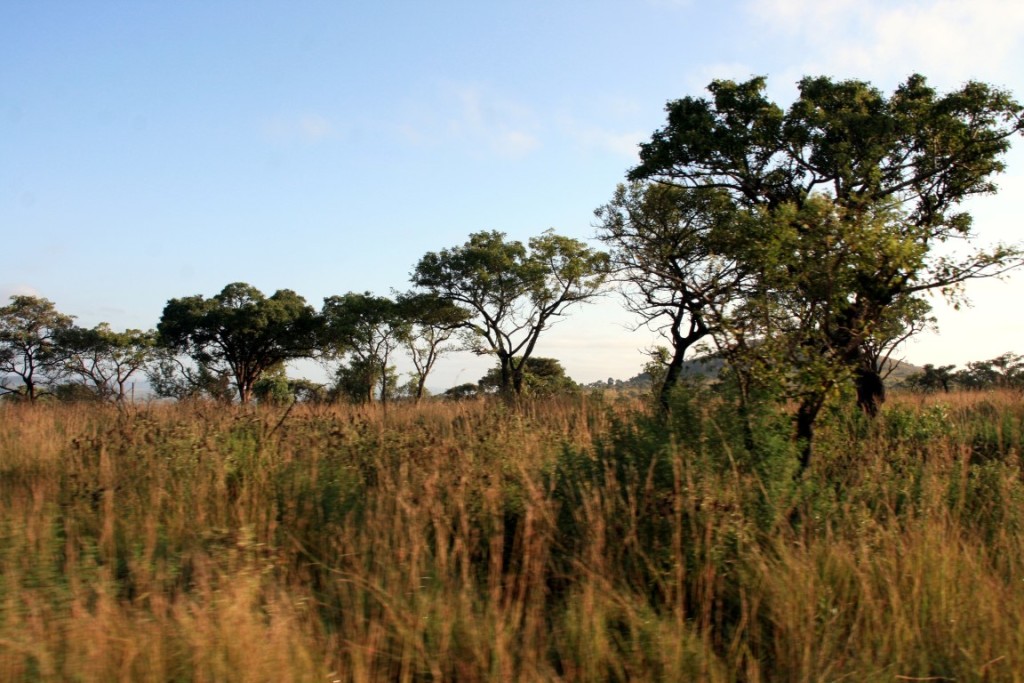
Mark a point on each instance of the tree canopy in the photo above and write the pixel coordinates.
(433, 321)
(29, 350)
(513, 291)
(848, 194)
(368, 329)
(240, 331)
(671, 256)
(541, 377)
(105, 359)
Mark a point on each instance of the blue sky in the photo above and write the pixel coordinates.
(151, 150)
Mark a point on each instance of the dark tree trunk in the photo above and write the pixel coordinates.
(680, 345)
(517, 381)
(672, 374)
(806, 416)
(870, 390)
(508, 388)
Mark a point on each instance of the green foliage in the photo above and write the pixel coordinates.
(273, 387)
(1003, 372)
(462, 391)
(106, 360)
(672, 253)
(512, 292)
(171, 376)
(542, 377)
(239, 331)
(76, 392)
(358, 381)
(846, 196)
(433, 322)
(656, 370)
(932, 378)
(366, 329)
(307, 391)
(29, 350)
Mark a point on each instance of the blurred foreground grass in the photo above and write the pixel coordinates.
(577, 541)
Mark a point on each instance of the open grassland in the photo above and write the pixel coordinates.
(576, 541)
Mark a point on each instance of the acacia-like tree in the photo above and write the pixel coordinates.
(105, 360)
(367, 330)
(171, 375)
(933, 378)
(1002, 372)
(513, 291)
(671, 257)
(851, 192)
(29, 350)
(433, 322)
(240, 331)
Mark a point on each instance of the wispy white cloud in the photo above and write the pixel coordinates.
(504, 126)
(947, 40)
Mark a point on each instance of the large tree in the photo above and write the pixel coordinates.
(852, 191)
(240, 331)
(29, 352)
(513, 291)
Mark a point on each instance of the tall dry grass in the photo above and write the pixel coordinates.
(580, 540)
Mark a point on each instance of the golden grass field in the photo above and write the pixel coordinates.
(575, 540)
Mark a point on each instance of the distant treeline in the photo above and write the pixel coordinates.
(797, 245)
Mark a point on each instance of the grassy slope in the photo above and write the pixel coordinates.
(572, 541)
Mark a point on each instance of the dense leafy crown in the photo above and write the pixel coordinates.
(917, 149)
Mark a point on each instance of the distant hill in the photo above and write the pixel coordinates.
(711, 366)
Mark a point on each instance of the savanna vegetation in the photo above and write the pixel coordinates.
(778, 520)
(574, 539)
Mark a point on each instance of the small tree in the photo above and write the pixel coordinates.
(106, 360)
(671, 255)
(513, 292)
(171, 375)
(368, 330)
(360, 378)
(273, 387)
(433, 322)
(933, 378)
(462, 392)
(29, 350)
(541, 377)
(1001, 372)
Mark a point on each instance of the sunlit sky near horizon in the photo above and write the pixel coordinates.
(152, 150)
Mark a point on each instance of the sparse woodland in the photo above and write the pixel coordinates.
(783, 520)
